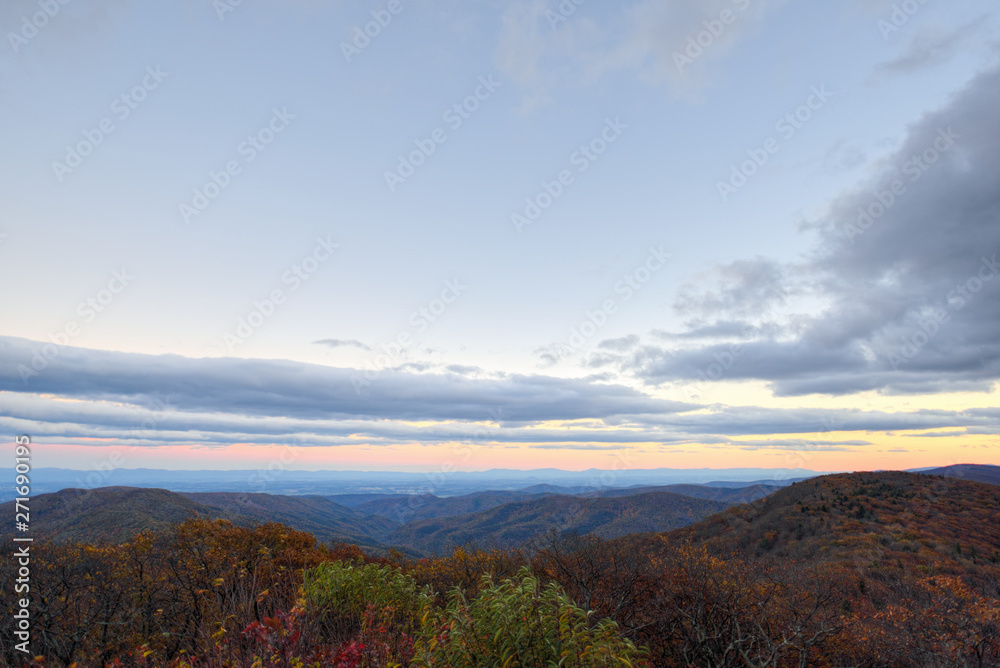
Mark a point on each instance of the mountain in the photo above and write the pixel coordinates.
(984, 473)
(327, 483)
(114, 514)
(555, 489)
(414, 508)
(729, 495)
(777, 481)
(405, 508)
(355, 500)
(107, 514)
(323, 518)
(887, 518)
(515, 523)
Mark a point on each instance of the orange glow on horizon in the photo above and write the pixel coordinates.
(887, 451)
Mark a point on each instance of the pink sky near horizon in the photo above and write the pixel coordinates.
(523, 457)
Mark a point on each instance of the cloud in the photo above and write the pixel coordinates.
(620, 344)
(465, 370)
(76, 23)
(416, 367)
(552, 354)
(342, 343)
(744, 288)
(91, 397)
(520, 50)
(747, 420)
(587, 447)
(900, 293)
(800, 445)
(661, 32)
(295, 390)
(844, 155)
(930, 47)
(540, 53)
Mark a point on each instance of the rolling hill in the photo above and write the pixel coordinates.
(323, 518)
(405, 509)
(975, 472)
(885, 513)
(861, 569)
(354, 500)
(730, 495)
(106, 514)
(927, 522)
(113, 514)
(515, 523)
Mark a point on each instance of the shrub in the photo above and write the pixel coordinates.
(347, 590)
(518, 623)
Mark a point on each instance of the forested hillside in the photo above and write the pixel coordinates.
(867, 569)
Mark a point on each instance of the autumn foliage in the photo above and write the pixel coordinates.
(875, 570)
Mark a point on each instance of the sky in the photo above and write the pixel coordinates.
(439, 235)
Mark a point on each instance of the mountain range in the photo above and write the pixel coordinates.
(454, 483)
(418, 524)
(426, 524)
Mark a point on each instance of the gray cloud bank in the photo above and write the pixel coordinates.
(150, 400)
(905, 270)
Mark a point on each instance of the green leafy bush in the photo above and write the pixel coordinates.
(518, 623)
(348, 590)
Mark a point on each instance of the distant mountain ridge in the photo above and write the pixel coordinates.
(109, 513)
(329, 483)
(984, 473)
(886, 517)
(516, 523)
(411, 508)
(405, 508)
(114, 514)
(728, 495)
(323, 518)
(430, 524)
